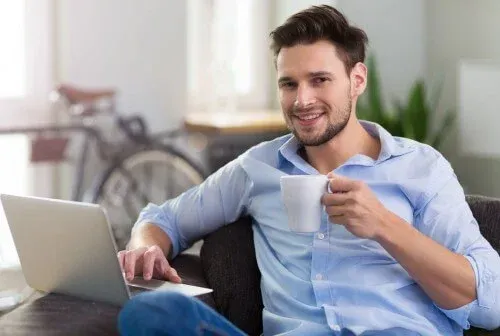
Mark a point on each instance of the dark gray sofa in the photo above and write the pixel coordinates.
(226, 263)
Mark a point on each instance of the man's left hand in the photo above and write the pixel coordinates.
(352, 204)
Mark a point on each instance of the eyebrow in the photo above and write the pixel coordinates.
(311, 74)
(320, 73)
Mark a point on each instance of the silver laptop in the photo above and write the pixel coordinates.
(67, 247)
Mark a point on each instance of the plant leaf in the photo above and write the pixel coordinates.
(436, 95)
(418, 112)
(374, 90)
(410, 119)
(399, 119)
(363, 111)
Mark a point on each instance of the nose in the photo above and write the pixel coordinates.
(305, 97)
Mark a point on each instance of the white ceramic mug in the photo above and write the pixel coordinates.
(301, 196)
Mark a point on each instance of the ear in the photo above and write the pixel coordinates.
(359, 78)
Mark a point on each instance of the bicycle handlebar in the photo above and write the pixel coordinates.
(134, 127)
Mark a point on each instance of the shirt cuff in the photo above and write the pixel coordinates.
(460, 315)
(485, 281)
(485, 314)
(155, 215)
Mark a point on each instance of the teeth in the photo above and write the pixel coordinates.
(309, 117)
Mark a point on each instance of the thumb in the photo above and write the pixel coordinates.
(170, 274)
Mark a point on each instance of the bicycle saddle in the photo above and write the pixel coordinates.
(75, 95)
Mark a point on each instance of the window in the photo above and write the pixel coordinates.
(26, 79)
(12, 58)
(12, 85)
(228, 64)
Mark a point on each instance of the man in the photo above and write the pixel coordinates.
(398, 251)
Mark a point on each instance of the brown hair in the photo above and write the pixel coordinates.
(322, 23)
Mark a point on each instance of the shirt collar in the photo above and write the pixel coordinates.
(390, 145)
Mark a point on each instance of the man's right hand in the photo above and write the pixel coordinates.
(148, 261)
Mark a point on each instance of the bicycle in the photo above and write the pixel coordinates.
(140, 168)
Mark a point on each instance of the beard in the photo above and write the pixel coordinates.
(341, 115)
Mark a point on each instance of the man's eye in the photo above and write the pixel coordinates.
(287, 85)
(319, 80)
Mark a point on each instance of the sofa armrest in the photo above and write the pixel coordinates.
(481, 332)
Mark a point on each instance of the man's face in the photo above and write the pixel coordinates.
(314, 91)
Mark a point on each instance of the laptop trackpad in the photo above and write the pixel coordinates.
(155, 284)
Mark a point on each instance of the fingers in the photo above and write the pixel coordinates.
(335, 199)
(128, 261)
(129, 264)
(154, 258)
(337, 210)
(168, 272)
(340, 220)
(342, 184)
(171, 274)
(150, 258)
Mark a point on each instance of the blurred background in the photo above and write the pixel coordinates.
(198, 78)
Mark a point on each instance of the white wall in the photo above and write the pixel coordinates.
(397, 33)
(286, 8)
(139, 47)
(462, 29)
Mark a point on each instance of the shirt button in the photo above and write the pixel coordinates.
(321, 235)
(319, 276)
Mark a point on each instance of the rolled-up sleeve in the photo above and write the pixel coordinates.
(222, 198)
(447, 219)
(484, 312)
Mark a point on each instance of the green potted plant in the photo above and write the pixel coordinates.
(409, 119)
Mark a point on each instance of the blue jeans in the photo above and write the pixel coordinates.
(170, 314)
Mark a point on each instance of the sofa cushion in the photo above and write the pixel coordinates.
(228, 260)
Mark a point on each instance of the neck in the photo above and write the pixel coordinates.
(352, 140)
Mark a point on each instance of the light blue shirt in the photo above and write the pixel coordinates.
(313, 283)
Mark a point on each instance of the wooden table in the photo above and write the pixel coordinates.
(247, 122)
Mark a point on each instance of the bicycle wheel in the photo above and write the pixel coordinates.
(151, 175)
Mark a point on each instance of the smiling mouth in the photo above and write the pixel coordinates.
(308, 120)
(308, 116)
